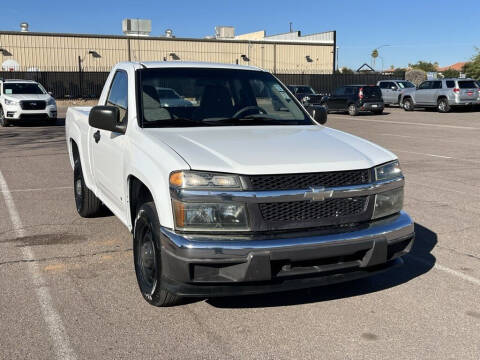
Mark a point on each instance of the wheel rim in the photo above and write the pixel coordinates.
(442, 105)
(78, 189)
(406, 104)
(146, 260)
(352, 109)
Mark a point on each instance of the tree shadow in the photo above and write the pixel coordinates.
(418, 262)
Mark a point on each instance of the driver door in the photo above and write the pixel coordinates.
(107, 149)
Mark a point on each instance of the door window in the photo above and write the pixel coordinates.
(437, 85)
(118, 95)
(339, 91)
(450, 84)
(425, 85)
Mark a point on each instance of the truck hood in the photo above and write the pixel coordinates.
(271, 149)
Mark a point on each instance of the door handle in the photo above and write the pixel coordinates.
(96, 136)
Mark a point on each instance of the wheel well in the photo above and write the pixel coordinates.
(441, 97)
(138, 194)
(75, 153)
(407, 97)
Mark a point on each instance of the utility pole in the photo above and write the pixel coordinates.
(291, 28)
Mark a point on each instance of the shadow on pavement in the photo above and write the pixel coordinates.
(424, 243)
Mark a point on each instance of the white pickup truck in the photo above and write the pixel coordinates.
(232, 187)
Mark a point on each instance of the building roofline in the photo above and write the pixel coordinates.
(146, 38)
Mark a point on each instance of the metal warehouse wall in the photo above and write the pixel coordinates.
(42, 51)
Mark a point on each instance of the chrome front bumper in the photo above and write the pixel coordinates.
(218, 265)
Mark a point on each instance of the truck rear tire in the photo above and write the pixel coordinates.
(88, 205)
(3, 121)
(147, 257)
(443, 106)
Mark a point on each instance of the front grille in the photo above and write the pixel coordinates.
(307, 180)
(312, 211)
(34, 116)
(33, 105)
(315, 99)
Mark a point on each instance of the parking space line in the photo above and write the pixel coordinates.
(423, 138)
(456, 273)
(412, 123)
(430, 186)
(420, 153)
(40, 189)
(54, 323)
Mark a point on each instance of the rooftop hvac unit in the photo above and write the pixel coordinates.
(137, 27)
(24, 27)
(224, 32)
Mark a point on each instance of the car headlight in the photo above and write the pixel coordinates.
(388, 171)
(11, 102)
(210, 216)
(51, 101)
(306, 99)
(197, 180)
(388, 203)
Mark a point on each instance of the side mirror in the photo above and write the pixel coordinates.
(394, 88)
(106, 118)
(318, 112)
(50, 93)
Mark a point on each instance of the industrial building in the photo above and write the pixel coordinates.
(291, 52)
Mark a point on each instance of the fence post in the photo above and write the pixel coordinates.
(80, 76)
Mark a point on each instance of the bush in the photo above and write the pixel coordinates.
(451, 73)
(416, 76)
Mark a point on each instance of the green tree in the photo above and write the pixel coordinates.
(451, 73)
(425, 66)
(472, 68)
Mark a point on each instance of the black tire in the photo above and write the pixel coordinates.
(3, 121)
(147, 258)
(377, 112)
(353, 110)
(443, 106)
(88, 205)
(407, 104)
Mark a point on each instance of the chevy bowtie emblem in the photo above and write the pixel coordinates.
(318, 194)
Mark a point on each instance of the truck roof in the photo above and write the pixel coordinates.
(192, 64)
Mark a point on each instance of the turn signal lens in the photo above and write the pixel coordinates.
(176, 178)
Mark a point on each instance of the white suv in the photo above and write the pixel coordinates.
(24, 100)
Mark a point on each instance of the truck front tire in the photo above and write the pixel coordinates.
(147, 257)
(88, 205)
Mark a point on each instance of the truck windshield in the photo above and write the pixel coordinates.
(405, 84)
(182, 97)
(305, 90)
(22, 88)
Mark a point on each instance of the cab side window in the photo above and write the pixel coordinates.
(118, 95)
(425, 85)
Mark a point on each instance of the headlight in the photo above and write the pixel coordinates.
(306, 99)
(207, 216)
(11, 102)
(204, 180)
(388, 203)
(51, 101)
(388, 171)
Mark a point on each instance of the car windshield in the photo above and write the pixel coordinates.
(22, 88)
(305, 90)
(182, 97)
(405, 84)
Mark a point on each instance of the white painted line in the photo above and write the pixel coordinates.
(412, 123)
(456, 273)
(41, 189)
(54, 323)
(422, 138)
(426, 154)
(430, 186)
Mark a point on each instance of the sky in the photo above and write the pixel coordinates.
(443, 31)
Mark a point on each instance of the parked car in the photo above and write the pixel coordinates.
(306, 94)
(355, 99)
(168, 97)
(442, 94)
(25, 100)
(392, 90)
(230, 197)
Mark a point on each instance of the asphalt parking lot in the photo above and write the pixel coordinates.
(69, 289)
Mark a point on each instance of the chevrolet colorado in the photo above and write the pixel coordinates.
(238, 189)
